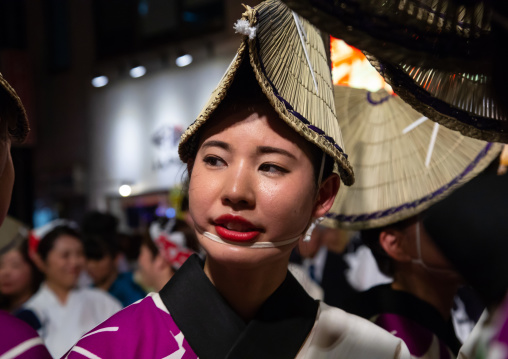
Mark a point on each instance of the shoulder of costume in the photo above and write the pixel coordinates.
(338, 324)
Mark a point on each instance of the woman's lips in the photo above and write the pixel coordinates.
(235, 228)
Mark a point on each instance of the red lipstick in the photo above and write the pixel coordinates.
(235, 228)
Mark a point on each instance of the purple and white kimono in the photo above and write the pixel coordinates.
(190, 319)
(19, 340)
(416, 322)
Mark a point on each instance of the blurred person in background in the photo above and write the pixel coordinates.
(102, 252)
(163, 252)
(17, 338)
(406, 165)
(19, 276)
(322, 258)
(62, 312)
(471, 228)
(422, 292)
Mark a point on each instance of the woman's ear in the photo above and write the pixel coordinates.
(326, 195)
(391, 240)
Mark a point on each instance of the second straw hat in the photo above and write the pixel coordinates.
(404, 163)
(288, 58)
(447, 58)
(12, 111)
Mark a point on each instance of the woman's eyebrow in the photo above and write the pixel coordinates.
(214, 143)
(268, 149)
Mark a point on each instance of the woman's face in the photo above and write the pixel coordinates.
(433, 258)
(64, 262)
(252, 180)
(146, 267)
(15, 274)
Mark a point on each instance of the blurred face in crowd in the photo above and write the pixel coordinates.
(147, 267)
(6, 170)
(430, 254)
(64, 262)
(403, 246)
(252, 180)
(15, 274)
(101, 270)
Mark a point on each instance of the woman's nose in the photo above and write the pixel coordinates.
(238, 189)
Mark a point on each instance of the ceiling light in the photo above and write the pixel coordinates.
(137, 71)
(100, 81)
(184, 60)
(125, 190)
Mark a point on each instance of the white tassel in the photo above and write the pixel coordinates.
(243, 27)
(431, 144)
(414, 125)
(303, 37)
(312, 226)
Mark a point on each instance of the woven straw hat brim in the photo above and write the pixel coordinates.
(393, 181)
(9, 232)
(445, 34)
(290, 65)
(14, 111)
(463, 102)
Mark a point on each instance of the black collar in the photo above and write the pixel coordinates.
(214, 330)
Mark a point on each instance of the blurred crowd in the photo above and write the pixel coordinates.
(65, 278)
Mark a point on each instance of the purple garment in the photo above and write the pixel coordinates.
(420, 341)
(19, 340)
(142, 330)
(498, 345)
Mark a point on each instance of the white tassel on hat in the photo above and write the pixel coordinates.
(243, 27)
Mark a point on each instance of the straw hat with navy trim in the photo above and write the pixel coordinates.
(288, 58)
(12, 111)
(404, 163)
(446, 58)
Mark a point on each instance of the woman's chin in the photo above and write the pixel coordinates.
(242, 256)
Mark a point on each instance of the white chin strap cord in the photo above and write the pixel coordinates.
(420, 261)
(217, 239)
(313, 225)
(307, 237)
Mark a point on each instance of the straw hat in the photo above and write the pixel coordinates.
(404, 163)
(448, 34)
(12, 111)
(464, 102)
(11, 231)
(446, 58)
(288, 58)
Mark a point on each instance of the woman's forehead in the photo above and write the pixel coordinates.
(258, 122)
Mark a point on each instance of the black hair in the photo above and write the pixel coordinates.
(100, 237)
(95, 222)
(48, 241)
(370, 237)
(99, 246)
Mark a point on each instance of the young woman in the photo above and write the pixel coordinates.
(18, 338)
(260, 160)
(19, 277)
(61, 311)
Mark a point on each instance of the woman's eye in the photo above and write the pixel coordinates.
(271, 168)
(214, 161)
